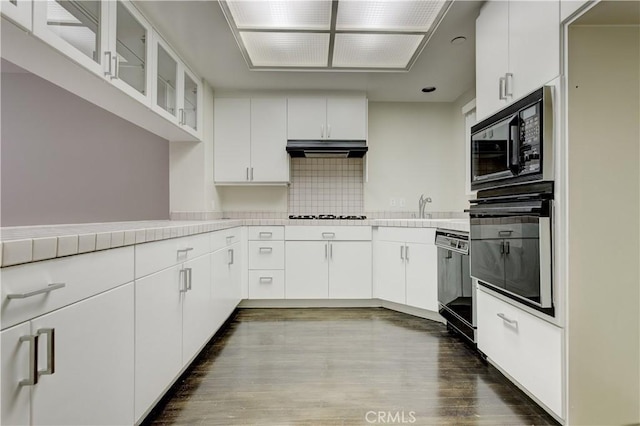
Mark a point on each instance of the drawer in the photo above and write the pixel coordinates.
(265, 233)
(83, 276)
(224, 238)
(526, 347)
(504, 228)
(266, 254)
(320, 233)
(407, 235)
(155, 256)
(266, 284)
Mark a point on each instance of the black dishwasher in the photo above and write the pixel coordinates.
(456, 294)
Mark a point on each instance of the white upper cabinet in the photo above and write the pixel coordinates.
(327, 119)
(18, 11)
(176, 91)
(517, 51)
(250, 137)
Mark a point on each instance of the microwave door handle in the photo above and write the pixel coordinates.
(513, 150)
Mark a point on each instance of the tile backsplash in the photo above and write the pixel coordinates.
(326, 186)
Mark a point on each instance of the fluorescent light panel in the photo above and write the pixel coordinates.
(303, 34)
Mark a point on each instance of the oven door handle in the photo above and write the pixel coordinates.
(502, 211)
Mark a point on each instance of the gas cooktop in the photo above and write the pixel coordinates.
(327, 217)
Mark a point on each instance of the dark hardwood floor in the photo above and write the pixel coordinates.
(341, 367)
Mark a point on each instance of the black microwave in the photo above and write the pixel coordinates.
(514, 145)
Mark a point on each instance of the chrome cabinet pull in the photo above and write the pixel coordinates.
(251, 173)
(502, 88)
(322, 131)
(449, 255)
(504, 233)
(265, 234)
(189, 277)
(504, 318)
(109, 61)
(51, 350)
(183, 280)
(185, 250)
(328, 235)
(33, 361)
(508, 85)
(47, 289)
(328, 130)
(266, 249)
(406, 252)
(247, 173)
(506, 247)
(230, 256)
(326, 255)
(501, 247)
(266, 279)
(230, 238)
(402, 252)
(330, 251)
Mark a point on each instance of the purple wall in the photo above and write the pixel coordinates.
(65, 160)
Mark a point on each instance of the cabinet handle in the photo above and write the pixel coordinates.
(109, 61)
(247, 173)
(406, 252)
(504, 233)
(449, 255)
(185, 250)
(266, 249)
(265, 234)
(504, 318)
(266, 279)
(508, 86)
(230, 238)
(506, 247)
(502, 88)
(322, 131)
(328, 131)
(328, 234)
(330, 251)
(251, 173)
(326, 255)
(51, 351)
(47, 289)
(402, 252)
(183, 280)
(230, 256)
(116, 67)
(33, 361)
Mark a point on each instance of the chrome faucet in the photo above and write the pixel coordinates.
(422, 203)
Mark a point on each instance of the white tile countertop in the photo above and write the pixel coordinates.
(24, 244)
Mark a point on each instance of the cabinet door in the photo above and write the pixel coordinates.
(14, 368)
(350, 270)
(269, 158)
(235, 275)
(130, 46)
(232, 139)
(79, 30)
(346, 118)
(197, 326)
(534, 45)
(306, 118)
(190, 109)
(307, 271)
(165, 79)
(18, 11)
(226, 264)
(93, 345)
(158, 328)
(389, 271)
(422, 276)
(492, 56)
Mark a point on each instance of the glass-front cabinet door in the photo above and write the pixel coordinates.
(165, 79)
(77, 28)
(18, 11)
(191, 95)
(130, 49)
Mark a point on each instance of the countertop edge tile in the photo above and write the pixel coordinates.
(17, 251)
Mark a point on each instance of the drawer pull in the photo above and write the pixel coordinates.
(266, 249)
(51, 350)
(504, 318)
(47, 289)
(328, 235)
(33, 361)
(230, 238)
(504, 233)
(184, 251)
(266, 279)
(265, 234)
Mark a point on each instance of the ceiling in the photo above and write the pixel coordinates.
(200, 32)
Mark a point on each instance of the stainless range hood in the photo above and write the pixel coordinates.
(327, 149)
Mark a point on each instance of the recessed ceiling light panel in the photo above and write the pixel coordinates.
(301, 50)
(388, 15)
(374, 50)
(281, 15)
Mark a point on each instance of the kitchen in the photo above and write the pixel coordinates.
(416, 145)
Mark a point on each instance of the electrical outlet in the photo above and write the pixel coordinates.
(403, 202)
(392, 202)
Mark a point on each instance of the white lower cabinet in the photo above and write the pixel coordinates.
(197, 324)
(406, 271)
(226, 272)
(85, 357)
(328, 269)
(524, 346)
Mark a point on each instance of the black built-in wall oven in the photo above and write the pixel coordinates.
(511, 221)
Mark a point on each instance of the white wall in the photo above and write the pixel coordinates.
(604, 227)
(414, 149)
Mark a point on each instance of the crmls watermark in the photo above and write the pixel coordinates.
(390, 417)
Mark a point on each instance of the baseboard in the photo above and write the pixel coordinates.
(416, 312)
